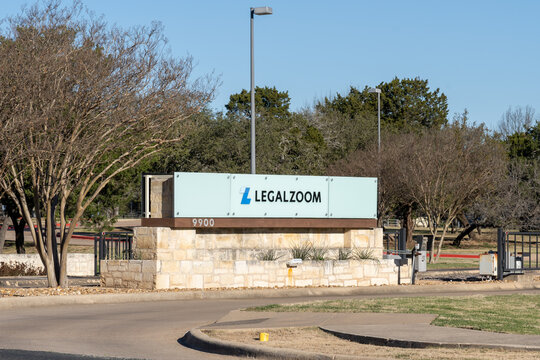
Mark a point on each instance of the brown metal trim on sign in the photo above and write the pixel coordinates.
(250, 223)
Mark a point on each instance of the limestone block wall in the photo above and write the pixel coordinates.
(194, 274)
(153, 243)
(230, 258)
(77, 264)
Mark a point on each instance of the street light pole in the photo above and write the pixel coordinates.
(378, 91)
(254, 11)
(379, 120)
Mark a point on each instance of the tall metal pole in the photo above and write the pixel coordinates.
(253, 168)
(379, 120)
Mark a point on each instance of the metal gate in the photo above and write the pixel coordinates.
(517, 252)
(395, 241)
(112, 246)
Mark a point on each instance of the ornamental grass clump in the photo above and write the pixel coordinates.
(268, 255)
(364, 254)
(318, 254)
(302, 251)
(344, 254)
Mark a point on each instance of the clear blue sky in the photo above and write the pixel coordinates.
(483, 54)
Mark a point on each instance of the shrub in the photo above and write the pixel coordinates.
(19, 269)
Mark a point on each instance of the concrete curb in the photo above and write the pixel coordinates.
(197, 340)
(382, 341)
(33, 301)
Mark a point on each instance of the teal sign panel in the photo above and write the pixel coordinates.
(279, 196)
(201, 195)
(352, 197)
(274, 196)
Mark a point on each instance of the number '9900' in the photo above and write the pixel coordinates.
(199, 222)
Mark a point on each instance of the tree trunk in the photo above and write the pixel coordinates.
(3, 232)
(469, 229)
(408, 222)
(18, 226)
(463, 219)
(19, 238)
(51, 275)
(433, 230)
(443, 235)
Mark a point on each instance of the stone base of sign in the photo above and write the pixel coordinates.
(191, 274)
(233, 258)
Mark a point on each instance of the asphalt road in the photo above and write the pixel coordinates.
(145, 330)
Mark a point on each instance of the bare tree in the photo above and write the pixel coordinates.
(389, 166)
(450, 169)
(439, 171)
(516, 120)
(515, 203)
(81, 102)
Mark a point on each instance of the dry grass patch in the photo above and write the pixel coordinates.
(315, 340)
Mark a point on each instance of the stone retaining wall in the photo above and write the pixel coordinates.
(77, 265)
(230, 258)
(189, 274)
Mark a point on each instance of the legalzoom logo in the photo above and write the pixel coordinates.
(284, 196)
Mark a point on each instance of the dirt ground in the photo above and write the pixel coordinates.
(315, 340)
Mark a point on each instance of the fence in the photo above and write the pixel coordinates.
(112, 246)
(395, 241)
(517, 252)
(391, 223)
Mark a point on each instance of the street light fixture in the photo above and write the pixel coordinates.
(265, 10)
(378, 91)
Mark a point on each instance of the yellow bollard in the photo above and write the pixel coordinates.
(263, 337)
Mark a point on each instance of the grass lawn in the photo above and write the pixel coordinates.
(517, 314)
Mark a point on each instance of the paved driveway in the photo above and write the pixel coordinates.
(145, 330)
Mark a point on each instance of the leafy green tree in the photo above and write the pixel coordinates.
(341, 134)
(406, 104)
(525, 144)
(268, 100)
(289, 145)
(221, 143)
(215, 143)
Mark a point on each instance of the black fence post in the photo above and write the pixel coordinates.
(500, 253)
(96, 257)
(130, 247)
(102, 246)
(413, 265)
(402, 245)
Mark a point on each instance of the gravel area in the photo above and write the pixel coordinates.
(74, 290)
(87, 290)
